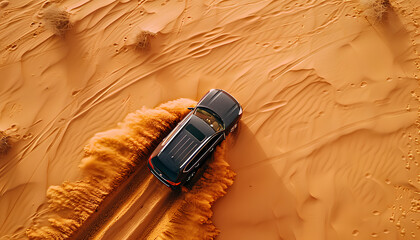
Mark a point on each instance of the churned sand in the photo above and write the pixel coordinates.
(109, 158)
(328, 146)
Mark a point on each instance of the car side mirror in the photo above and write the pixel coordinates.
(190, 108)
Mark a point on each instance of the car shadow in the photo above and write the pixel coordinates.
(257, 195)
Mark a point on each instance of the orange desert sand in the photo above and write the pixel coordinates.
(328, 146)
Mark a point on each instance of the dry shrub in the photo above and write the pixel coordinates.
(375, 9)
(4, 143)
(143, 40)
(57, 19)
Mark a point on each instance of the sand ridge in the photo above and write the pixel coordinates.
(329, 136)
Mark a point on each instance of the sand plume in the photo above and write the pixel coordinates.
(326, 91)
(109, 158)
(192, 218)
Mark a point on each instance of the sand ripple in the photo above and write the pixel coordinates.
(329, 144)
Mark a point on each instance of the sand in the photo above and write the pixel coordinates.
(327, 148)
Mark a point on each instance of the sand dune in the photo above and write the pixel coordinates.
(328, 144)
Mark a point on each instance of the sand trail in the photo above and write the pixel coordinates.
(135, 206)
(109, 158)
(119, 198)
(329, 141)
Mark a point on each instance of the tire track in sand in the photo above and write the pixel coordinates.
(134, 205)
(119, 198)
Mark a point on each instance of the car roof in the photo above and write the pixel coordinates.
(223, 104)
(184, 144)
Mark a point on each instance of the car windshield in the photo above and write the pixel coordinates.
(210, 118)
(170, 173)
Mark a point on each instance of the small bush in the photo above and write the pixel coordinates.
(375, 9)
(143, 40)
(4, 143)
(57, 19)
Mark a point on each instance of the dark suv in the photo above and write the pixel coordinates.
(179, 156)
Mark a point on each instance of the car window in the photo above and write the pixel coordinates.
(210, 118)
(190, 164)
(213, 140)
(195, 132)
(170, 173)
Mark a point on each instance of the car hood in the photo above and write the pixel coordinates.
(223, 104)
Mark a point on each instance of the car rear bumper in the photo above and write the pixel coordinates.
(160, 178)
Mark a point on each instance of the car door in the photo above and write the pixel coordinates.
(191, 168)
(209, 148)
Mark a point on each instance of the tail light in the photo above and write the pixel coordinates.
(150, 162)
(172, 183)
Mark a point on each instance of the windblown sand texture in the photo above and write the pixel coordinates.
(328, 146)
